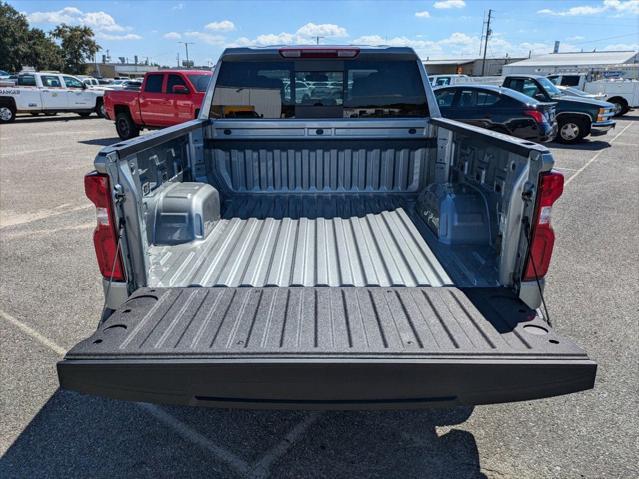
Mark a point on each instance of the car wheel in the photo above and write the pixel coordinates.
(621, 107)
(572, 130)
(7, 114)
(125, 126)
(101, 110)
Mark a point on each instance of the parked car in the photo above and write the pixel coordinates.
(165, 98)
(49, 93)
(444, 80)
(499, 109)
(577, 117)
(365, 253)
(623, 93)
(572, 91)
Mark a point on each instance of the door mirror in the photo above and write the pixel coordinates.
(84, 86)
(180, 89)
(540, 97)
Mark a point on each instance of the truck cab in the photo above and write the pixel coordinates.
(577, 117)
(48, 92)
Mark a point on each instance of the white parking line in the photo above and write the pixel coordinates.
(30, 218)
(59, 350)
(195, 437)
(220, 453)
(260, 469)
(580, 170)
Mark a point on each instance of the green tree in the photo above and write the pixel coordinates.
(43, 53)
(14, 30)
(78, 46)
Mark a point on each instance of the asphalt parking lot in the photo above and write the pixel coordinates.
(50, 298)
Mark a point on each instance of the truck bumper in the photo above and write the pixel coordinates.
(602, 127)
(325, 348)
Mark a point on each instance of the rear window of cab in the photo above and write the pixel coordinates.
(349, 89)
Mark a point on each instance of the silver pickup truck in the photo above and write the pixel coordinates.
(321, 238)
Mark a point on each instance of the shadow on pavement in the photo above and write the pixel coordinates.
(84, 436)
(101, 141)
(34, 119)
(585, 145)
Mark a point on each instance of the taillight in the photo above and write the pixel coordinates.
(536, 115)
(551, 186)
(314, 52)
(105, 239)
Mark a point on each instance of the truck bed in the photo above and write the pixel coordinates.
(325, 348)
(339, 240)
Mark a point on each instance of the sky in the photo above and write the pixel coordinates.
(436, 29)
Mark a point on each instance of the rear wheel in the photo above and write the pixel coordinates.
(100, 109)
(7, 113)
(572, 130)
(125, 126)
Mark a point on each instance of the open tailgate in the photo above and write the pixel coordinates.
(323, 348)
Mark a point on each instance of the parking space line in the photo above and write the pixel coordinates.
(220, 453)
(580, 170)
(261, 469)
(24, 219)
(27, 152)
(195, 437)
(59, 350)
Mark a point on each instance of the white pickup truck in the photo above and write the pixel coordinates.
(48, 93)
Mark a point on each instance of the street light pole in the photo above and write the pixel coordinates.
(186, 46)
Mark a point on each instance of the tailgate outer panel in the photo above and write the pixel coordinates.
(325, 348)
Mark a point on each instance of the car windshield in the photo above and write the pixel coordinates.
(200, 82)
(550, 87)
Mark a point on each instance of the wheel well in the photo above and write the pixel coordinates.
(121, 109)
(8, 101)
(562, 117)
(618, 99)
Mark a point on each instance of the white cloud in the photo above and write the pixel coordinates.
(222, 26)
(460, 45)
(206, 37)
(179, 6)
(623, 46)
(444, 4)
(99, 21)
(618, 6)
(422, 14)
(322, 30)
(172, 36)
(305, 35)
(109, 36)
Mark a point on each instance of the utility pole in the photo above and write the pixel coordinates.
(317, 39)
(488, 33)
(186, 45)
(178, 59)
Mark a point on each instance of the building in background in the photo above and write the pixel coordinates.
(113, 70)
(468, 66)
(615, 63)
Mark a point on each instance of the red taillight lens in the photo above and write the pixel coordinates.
(551, 186)
(536, 115)
(319, 52)
(105, 240)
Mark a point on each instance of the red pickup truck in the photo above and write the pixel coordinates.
(166, 98)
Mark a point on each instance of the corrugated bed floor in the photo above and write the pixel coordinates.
(285, 241)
